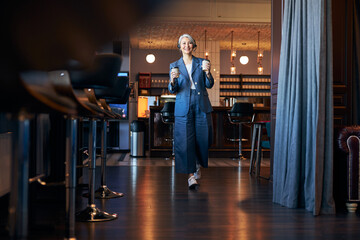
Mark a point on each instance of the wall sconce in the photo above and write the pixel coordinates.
(232, 69)
(233, 54)
(206, 52)
(260, 56)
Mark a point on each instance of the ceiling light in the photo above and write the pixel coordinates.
(244, 60)
(150, 58)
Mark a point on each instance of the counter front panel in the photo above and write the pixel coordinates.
(160, 134)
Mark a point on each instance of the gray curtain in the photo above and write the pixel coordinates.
(302, 174)
(355, 42)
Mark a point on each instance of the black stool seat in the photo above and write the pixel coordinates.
(107, 108)
(117, 91)
(33, 92)
(122, 100)
(117, 94)
(102, 74)
(167, 112)
(241, 112)
(78, 83)
(63, 85)
(97, 104)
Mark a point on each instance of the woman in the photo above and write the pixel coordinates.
(193, 124)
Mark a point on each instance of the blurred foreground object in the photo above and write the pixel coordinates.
(41, 34)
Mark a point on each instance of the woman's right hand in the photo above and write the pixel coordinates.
(173, 76)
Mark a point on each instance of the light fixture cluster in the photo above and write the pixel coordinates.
(260, 56)
(150, 57)
(233, 55)
(243, 58)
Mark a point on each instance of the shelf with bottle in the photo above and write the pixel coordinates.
(153, 84)
(244, 85)
(159, 80)
(245, 94)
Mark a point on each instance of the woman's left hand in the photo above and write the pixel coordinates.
(207, 67)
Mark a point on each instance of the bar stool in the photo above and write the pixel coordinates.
(167, 117)
(241, 114)
(118, 94)
(258, 128)
(84, 92)
(64, 82)
(35, 92)
(24, 94)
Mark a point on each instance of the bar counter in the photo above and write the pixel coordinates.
(160, 134)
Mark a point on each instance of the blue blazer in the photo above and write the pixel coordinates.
(182, 86)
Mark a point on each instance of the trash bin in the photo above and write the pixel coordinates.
(137, 138)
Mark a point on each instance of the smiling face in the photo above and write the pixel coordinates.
(186, 46)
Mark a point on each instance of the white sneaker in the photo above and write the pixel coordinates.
(197, 174)
(192, 182)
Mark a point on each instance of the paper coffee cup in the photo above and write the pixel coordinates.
(204, 63)
(175, 70)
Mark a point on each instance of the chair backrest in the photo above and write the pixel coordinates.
(241, 113)
(240, 109)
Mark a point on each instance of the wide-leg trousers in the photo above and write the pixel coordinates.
(192, 137)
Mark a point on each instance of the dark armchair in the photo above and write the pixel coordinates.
(349, 141)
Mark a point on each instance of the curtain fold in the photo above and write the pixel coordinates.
(324, 202)
(302, 174)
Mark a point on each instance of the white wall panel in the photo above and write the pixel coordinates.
(213, 48)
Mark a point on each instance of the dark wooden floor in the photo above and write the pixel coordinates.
(230, 204)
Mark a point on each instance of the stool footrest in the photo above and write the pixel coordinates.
(105, 193)
(93, 214)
